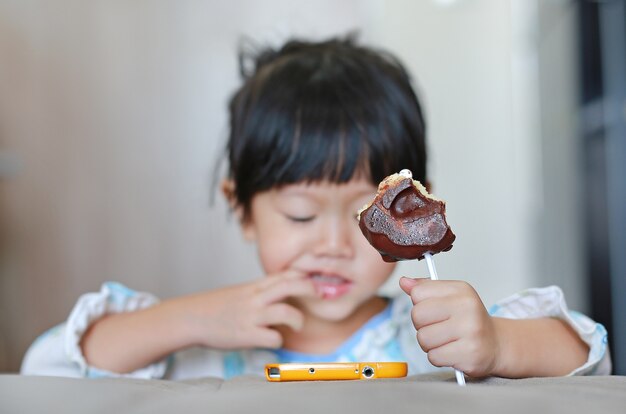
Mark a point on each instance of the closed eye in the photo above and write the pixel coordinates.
(300, 219)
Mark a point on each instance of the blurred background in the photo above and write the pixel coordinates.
(113, 116)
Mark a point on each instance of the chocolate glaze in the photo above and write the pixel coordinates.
(402, 223)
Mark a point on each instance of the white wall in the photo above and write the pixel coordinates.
(116, 112)
(561, 249)
(484, 150)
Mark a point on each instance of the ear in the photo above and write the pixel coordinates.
(228, 190)
(247, 226)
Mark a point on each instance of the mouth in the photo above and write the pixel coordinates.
(331, 286)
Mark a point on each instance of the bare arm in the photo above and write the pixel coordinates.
(125, 342)
(455, 330)
(537, 347)
(235, 317)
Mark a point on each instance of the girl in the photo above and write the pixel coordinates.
(313, 129)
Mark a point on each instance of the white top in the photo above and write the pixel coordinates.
(388, 336)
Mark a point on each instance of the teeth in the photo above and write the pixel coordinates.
(335, 280)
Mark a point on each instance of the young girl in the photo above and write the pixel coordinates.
(313, 130)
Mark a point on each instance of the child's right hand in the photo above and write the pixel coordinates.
(236, 317)
(244, 315)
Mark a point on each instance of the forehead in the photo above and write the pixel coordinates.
(355, 188)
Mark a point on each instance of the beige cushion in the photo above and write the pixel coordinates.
(434, 393)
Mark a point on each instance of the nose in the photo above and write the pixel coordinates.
(335, 238)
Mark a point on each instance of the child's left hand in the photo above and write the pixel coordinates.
(453, 326)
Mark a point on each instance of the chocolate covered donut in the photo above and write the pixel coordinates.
(403, 221)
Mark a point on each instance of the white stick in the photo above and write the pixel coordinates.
(460, 377)
(431, 266)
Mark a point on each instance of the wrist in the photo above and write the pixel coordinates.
(504, 351)
(180, 323)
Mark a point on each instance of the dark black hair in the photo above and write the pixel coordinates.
(314, 111)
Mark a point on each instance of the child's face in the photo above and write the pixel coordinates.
(313, 228)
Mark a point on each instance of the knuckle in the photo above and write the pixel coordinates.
(274, 340)
(416, 295)
(415, 317)
(468, 303)
(421, 342)
(472, 369)
(479, 332)
(288, 313)
(281, 287)
(298, 316)
(434, 358)
(255, 290)
(462, 285)
(277, 343)
(263, 284)
(281, 310)
(298, 285)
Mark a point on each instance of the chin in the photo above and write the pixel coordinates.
(333, 311)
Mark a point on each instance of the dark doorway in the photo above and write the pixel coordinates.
(603, 103)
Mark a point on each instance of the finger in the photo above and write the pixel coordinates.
(435, 336)
(288, 288)
(281, 314)
(288, 274)
(430, 311)
(444, 356)
(425, 288)
(454, 354)
(268, 338)
(408, 283)
(275, 278)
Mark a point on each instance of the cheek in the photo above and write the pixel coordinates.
(270, 257)
(277, 249)
(371, 263)
(381, 270)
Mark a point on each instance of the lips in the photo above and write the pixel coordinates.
(329, 285)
